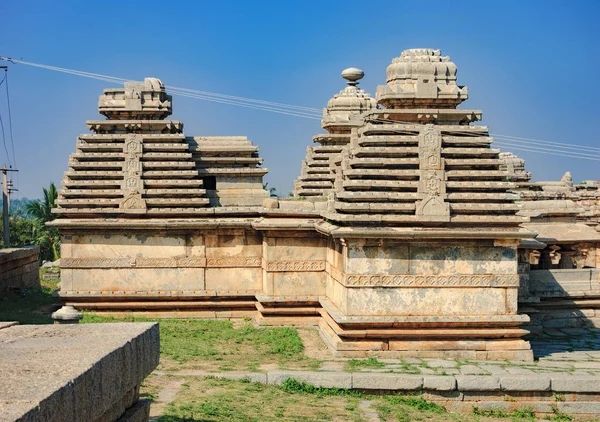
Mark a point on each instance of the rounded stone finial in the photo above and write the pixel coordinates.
(353, 75)
(67, 315)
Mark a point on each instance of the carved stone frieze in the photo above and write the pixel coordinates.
(408, 280)
(278, 266)
(138, 262)
(97, 262)
(234, 261)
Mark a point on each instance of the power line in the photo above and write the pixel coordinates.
(534, 145)
(542, 151)
(182, 90)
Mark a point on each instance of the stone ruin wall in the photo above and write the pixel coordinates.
(19, 269)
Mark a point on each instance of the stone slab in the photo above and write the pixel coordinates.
(379, 381)
(319, 379)
(74, 372)
(439, 383)
(478, 383)
(575, 384)
(524, 383)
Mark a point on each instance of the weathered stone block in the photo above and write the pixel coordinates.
(575, 384)
(477, 383)
(299, 283)
(234, 279)
(364, 258)
(525, 383)
(377, 381)
(439, 383)
(319, 379)
(437, 301)
(75, 372)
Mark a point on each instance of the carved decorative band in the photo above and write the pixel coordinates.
(280, 266)
(482, 280)
(96, 262)
(176, 262)
(234, 262)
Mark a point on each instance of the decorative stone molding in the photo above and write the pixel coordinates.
(432, 183)
(96, 263)
(175, 262)
(278, 266)
(408, 280)
(133, 186)
(233, 261)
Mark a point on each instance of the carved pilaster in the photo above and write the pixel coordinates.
(133, 185)
(432, 179)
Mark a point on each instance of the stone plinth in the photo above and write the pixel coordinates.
(88, 372)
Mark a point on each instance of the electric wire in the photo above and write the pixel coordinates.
(526, 144)
(107, 78)
(537, 151)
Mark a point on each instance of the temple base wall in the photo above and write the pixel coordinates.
(388, 298)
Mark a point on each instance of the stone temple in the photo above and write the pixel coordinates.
(403, 240)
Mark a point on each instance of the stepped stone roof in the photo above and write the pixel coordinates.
(136, 163)
(418, 162)
(343, 112)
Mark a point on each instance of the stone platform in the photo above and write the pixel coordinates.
(88, 372)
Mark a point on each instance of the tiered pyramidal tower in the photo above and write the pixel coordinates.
(417, 161)
(424, 226)
(344, 112)
(138, 163)
(135, 162)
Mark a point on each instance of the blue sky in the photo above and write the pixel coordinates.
(531, 66)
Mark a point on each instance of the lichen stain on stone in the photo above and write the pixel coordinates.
(508, 253)
(141, 238)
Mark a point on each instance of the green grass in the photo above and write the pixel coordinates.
(354, 364)
(237, 400)
(290, 385)
(516, 415)
(30, 306)
(416, 402)
(217, 344)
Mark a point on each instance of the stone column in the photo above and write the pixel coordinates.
(566, 258)
(545, 262)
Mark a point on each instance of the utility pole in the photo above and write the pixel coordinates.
(5, 202)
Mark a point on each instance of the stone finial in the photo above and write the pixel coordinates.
(421, 77)
(353, 75)
(146, 100)
(344, 108)
(67, 315)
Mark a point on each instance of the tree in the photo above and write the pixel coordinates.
(41, 212)
(272, 191)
